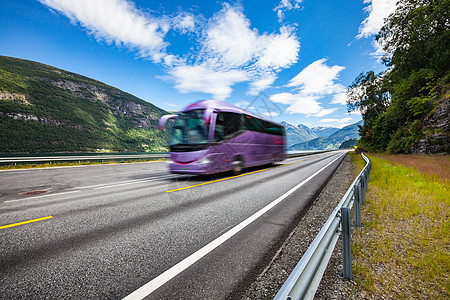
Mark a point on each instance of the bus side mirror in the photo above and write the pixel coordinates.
(163, 121)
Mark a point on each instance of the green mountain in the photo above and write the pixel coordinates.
(45, 109)
(331, 142)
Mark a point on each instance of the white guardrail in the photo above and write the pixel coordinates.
(304, 280)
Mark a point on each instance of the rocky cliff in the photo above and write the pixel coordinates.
(436, 129)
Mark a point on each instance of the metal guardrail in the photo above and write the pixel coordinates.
(78, 158)
(304, 280)
(109, 157)
(292, 155)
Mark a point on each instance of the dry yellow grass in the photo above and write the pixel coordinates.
(403, 252)
(434, 165)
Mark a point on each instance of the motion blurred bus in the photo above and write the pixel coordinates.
(212, 136)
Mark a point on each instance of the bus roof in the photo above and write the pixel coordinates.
(222, 106)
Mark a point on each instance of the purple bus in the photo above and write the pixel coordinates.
(212, 136)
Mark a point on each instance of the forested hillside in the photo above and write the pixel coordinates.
(45, 109)
(406, 109)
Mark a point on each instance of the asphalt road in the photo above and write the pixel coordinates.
(112, 231)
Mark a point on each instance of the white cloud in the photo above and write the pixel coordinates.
(298, 104)
(379, 52)
(242, 104)
(230, 37)
(262, 83)
(340, 98)
(184, 22)
(318, 79)
(355, 112)
(270, 114)
(278, 50)
(378, 10)
(325, 112)
(337, 122)
(117, 21)
(286, 5)
(311, 84)
(228, 49)
(343, 120)
(203, 78)
(235, 52)
(233, 43)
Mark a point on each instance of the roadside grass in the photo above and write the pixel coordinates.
(434, 165)
(403, 250)
(71, 164)
(357, 162)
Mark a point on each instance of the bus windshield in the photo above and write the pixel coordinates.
(189, 131)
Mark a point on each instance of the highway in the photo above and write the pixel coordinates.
(136, 231)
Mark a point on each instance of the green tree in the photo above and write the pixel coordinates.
(368, 93)
(394, 105)
(416, 36)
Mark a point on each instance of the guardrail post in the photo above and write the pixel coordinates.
(363, 190)
(304, 280)
(366, 177)
(357, 206)
(346, 243)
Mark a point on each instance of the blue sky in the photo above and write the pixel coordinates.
(302, 54)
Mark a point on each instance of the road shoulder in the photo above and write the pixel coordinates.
(333, 286)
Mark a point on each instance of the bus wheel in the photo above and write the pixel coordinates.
(237, 167)
(274, 161)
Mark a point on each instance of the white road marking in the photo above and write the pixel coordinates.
(133, 182)
(42, 196)
(169, 274)
(95, 187)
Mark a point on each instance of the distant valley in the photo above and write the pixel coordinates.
(301, 137)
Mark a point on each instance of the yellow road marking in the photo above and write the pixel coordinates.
(25, 222)
(291, 163)
(208, 182)
(301, 160)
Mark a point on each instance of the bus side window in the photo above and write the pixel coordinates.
(218, 130)
(227, 125)
(253, 124)
(273, 129)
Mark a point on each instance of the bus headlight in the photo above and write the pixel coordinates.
(204, 161)
(169, 162)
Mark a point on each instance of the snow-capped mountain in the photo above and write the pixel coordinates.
(297, 134)
(324, 130)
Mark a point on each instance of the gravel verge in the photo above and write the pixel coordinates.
(333, 285)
